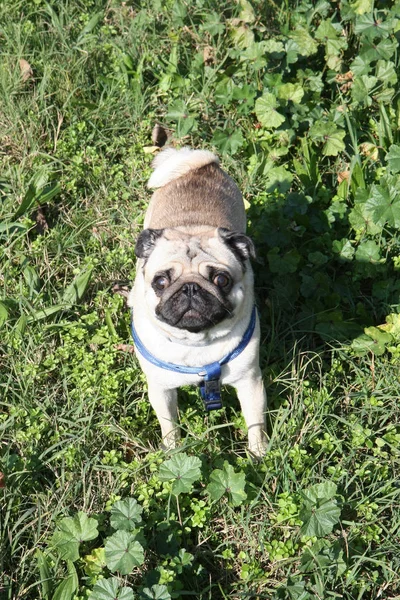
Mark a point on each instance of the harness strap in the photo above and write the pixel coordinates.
(210, 386)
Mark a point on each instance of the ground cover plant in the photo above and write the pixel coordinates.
(301, 101)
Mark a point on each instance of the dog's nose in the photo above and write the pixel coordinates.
(190, 289)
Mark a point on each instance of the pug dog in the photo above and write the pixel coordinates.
(193, 315)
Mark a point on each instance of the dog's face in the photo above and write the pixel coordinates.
(194, 282)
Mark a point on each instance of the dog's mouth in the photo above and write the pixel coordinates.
(193, 312)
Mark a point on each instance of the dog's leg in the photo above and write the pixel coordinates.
(253, 402)
(165, 404)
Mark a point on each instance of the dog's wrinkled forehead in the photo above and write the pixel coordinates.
(188, 254)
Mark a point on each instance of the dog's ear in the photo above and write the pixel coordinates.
(240, 244)
(146, 242)
(160, 135)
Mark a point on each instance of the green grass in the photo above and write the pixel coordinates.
(301, 101)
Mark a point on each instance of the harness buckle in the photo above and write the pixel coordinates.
(210, 391)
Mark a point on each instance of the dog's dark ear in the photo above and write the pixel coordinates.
(159, 135)
(241, 245)
(146, 242)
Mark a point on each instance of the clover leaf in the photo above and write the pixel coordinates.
(182, 470)
(72, 531)
(123, 552)
(226, 482)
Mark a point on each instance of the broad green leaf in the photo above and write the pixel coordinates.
(368, 251)
(178, 111)
(246, 12)
(125, 514)
(334, 143)
(376, 334)
(337, 330)
(242, 36)
(67, 588)
(123, 552)
(306, 45)
(273, 47)
(361, 7)
(320, 491)
(319, 512)
(71, 532)
(265, 109)
(223, 91)
(255, 54)
(330, 136)
(361, 65)
(294, 590)
(385, 72)
(364, 344)
(326, 31)
(74, 292)
(95, 562)
(393, 158)
(362, 88)
(182, 470)
(283, 264)
(362, 221)
(185, 125)
(292, 52)
(384, 50)
(110, 589)
(212, 24)
(245, 95)
(384, 203)
(372, 27)
(225, 482)
(323, 556)
(156, 592)
(228, 142)
(392, 325)
(291, 91)
(278, 178)
(343, 248)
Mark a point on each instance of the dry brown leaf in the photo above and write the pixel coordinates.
(208, 55)
(343, 176)
(125, 348)
(26, 70)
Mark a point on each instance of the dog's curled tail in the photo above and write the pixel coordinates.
(171, 164)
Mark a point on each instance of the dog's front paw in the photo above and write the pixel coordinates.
(258, 447)
(171, 440)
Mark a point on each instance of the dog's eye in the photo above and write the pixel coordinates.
(222, 280)
(161, 282)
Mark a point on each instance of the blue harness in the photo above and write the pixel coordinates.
(210, 387)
